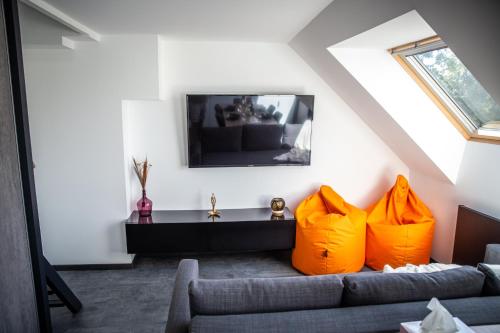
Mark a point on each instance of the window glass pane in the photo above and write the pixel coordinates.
(460, 85)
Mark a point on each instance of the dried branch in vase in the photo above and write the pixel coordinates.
(141, 170)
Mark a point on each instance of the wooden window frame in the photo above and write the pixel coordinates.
(430, 92)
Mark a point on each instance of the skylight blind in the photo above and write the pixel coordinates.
(418, 46)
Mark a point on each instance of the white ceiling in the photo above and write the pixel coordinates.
(244, 20)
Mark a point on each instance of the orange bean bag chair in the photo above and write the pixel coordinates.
(399, 229)
(330, 236)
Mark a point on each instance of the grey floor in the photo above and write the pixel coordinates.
(137, 300)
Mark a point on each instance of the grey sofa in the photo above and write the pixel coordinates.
(492, 255)
(361, 302)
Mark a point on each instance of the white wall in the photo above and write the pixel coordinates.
(385, 79)
(75, 103)
(442, 199)
(346, 154)
(93, 108)
(80, 100)
(478, 184)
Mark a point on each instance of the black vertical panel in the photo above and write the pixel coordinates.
(23, 301)
(474, 231)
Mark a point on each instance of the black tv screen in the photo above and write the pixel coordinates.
(249, 130)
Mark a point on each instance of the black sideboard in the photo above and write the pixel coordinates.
(176, 231)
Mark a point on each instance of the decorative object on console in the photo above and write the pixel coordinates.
(145, 219)
(213, 213)
(278, 206)
(144, 205)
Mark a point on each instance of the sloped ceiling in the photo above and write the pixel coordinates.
(472, 29)
(476, 42)
(227, 20)
(39, 30)
(365, 56)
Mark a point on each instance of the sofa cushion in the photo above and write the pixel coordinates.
(233, 296)
(492, 281)
(377, 288)
(492, 255)
(221, 139)
(262, 137)
(359, 319)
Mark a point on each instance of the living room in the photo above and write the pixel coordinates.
(223, 166)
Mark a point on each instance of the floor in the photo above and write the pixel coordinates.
(137, 300)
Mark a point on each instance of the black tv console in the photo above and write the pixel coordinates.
(176, 231)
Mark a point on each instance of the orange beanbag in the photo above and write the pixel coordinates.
(330, 236)
(399, 229)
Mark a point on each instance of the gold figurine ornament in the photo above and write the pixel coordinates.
(213, 213)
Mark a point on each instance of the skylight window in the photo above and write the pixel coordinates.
(452, 87)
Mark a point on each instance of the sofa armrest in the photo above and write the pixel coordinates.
(492, 255)
(179, 315)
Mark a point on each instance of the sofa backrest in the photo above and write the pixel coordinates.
(222, 139)
(262, 137)
(242, 138)
(384, 288)
(238, 296)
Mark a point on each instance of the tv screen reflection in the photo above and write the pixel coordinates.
(249, 130)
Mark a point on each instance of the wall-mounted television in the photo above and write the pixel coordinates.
(249, 130)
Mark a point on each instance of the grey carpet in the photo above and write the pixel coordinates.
(137, 300)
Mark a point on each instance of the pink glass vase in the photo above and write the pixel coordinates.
(144, 205)
(145, 219)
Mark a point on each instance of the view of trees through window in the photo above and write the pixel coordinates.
(460, 85)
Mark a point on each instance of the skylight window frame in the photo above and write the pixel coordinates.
(417, 71)
(442, 94)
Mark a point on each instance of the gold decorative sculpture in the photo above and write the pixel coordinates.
(213, 213)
